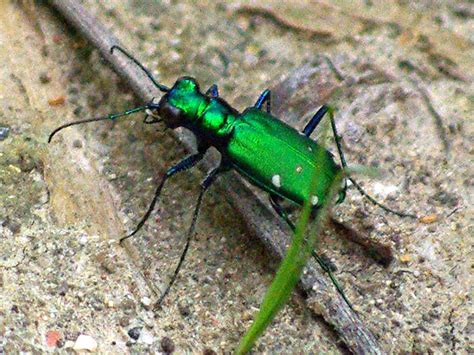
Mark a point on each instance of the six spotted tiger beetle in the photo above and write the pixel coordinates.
(266, 151)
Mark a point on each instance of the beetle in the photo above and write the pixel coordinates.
(267, 152)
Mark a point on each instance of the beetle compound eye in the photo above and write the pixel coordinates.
(172, 115)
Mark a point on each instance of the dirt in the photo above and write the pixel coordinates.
(402, 82)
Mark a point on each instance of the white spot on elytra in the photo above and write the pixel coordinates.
(299, 169)
(309, 148)
(276, 180)
(314, 200)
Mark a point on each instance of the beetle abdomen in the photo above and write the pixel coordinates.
(278, 159)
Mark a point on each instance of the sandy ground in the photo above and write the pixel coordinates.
(405, 105)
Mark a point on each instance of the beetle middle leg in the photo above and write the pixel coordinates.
(275, 202)
(265, 96)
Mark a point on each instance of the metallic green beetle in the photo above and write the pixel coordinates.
(266, 151)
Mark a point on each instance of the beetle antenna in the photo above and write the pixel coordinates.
(161, 87)
(103, 118)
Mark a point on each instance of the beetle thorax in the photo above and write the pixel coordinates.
(185, 106)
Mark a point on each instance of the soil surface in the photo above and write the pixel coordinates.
(401, 78)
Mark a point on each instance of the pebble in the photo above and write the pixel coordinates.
(4, 132)
(52, 338)
(57, 101)
(428, 219)
(44, 78)
(83, 240)
(134, 333)
(405, 258)
(146, 337)
(85, 342)
(146, 301)
(167, 345)
(77, 143)
(184, 310)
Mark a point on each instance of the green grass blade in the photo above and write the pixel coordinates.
(290, 268)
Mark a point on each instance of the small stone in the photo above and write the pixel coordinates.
(167, 345)
(428, 219)
(124, 321)
(52, 338)
(405, 258)
(69, 344)
(14, 168)
(44, 78)
(146, 301)
(85, 342)
(63, 288)
(57, 101)
(83, 240)
(134, 333)
(184, 310)
(147, 338)
(77, 111)
(384, 190)
(4, 132)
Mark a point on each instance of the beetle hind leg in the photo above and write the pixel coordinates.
(275, 202)
(337, 139)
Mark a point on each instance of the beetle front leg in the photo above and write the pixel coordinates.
(184, 164)
(213, 91)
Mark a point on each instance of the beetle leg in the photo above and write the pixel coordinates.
(314, 121)
(210, 178)
(337, 138)
(213, 91)
(275, 202)
(184, 164)
(265, 96)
